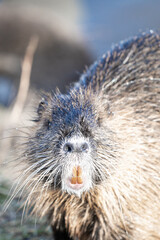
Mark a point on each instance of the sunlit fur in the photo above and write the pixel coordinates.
(115, 107)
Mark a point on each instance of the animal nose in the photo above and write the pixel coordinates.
(75, 147)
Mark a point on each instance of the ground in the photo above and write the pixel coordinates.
(11, 225)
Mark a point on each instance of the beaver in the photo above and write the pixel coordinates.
(92, 156)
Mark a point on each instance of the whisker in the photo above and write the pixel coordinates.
(20, 187)
(38, 182)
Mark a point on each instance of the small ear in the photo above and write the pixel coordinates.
(42, 105)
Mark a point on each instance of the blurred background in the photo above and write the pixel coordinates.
(71, 35)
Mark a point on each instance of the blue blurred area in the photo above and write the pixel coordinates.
(7, 91)
(102, 22)
(107, 22)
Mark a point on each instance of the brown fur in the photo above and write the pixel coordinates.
(124, 89)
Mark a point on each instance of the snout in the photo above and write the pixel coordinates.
(76, 177)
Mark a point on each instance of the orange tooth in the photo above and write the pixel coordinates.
(79, 171)
(77, 175)
(79, 180)
(74, 180)
(74, 173)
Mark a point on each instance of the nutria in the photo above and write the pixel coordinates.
(93, 155)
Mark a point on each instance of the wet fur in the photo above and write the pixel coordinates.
(116, 104)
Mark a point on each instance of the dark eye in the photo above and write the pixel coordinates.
(99, 121)
(48, 124)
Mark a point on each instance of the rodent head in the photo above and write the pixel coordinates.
(66, 148)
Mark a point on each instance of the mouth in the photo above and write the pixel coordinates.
(76, 176)
(76, 183)
(76, 189)
(74, 186)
